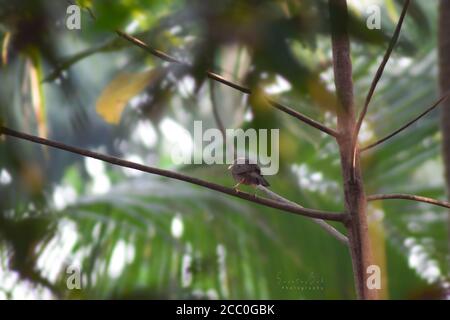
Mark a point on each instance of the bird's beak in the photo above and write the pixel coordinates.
(231, 166)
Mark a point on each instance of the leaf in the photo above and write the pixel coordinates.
(85, 3)
(140, 212)
(392, 10)
(37, 92)
(119, 91)
(5, 48)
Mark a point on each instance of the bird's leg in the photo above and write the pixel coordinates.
(256, 191)
(237, 185)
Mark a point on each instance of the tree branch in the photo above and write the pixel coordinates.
(221, 79)
(354, 196)
(311, 213)
(150, 50)
(378, 75)
(380, 70)
(411, 197)
(303, 118)
(328, 228)
(444, 86)
(437, 103)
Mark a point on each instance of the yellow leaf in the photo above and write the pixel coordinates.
(119, 91)
(84, 3)
(5, 47)
(37, 95)
(392, 10)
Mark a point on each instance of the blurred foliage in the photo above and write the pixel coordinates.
(139, 236)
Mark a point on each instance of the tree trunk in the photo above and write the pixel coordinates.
(355, 200)
(444, 82)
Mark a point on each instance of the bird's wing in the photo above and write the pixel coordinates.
(259, 179)
(244, 168)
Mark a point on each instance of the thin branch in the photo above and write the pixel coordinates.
(328, 228)
(377, 77)
(150, 50)
(400, 196)
(436, 104)
(303, 118)
(380, 70)
(168, 58)
(228, 83)
(311, 213)
(354, 196)
(216, 77)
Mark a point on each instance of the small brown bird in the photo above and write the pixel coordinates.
(247, 173)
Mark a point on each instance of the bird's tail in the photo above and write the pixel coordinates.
(263, 182)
